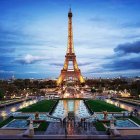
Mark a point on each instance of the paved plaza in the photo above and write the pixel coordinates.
(72, 129)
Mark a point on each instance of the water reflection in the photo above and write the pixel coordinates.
(66, 106)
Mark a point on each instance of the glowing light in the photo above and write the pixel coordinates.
(13, 109)
(82, 79)
(27, 95)
(125, 94)
(59, 80)
(31, 102)
(3, 114)
(20, 106)
(66, 95)
(34, 101)
(27, 104)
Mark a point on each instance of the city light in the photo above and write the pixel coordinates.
(13, 109)
(3, 113)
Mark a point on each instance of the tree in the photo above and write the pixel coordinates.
(1, 94)
(93, 90)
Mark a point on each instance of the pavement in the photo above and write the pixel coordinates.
(71, 129)
(69, 137)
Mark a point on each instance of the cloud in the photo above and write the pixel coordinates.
(130, 25)
(126, 57)
(124, 64)
(96, 19)
(128, 48)
(7, 50)
(29, 59)
(3, 71)
(79, 64)
(84, 63)
(57, 64)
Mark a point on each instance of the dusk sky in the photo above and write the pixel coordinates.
(33, 37)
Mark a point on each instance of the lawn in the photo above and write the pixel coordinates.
(99, 126)
(42, 106)
(99, 106)
(42, 127)
(136, 120)
(5, 121)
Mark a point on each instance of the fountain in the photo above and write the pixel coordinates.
(36, 116)
(105, 115)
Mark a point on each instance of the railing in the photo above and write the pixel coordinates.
(129, 101)
(13, 102)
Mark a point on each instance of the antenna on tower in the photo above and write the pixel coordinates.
(70, 7)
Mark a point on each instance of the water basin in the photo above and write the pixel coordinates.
(19, 123)
(125, 123)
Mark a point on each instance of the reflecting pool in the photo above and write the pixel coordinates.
(66, 106)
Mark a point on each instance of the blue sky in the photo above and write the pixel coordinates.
(33, 37)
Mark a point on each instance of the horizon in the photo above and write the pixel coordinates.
(33, 37)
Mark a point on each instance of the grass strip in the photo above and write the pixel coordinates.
(42, 127)
(99, 126)
(42, 106)
(136, 120)
(99, 106)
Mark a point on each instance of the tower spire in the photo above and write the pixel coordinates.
(70, 8)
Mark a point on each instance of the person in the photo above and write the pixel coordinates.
(81, 121)
(64, 121)
(65, 131)
(136, 111)
(131, 113)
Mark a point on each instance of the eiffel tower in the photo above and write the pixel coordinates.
(70, 56)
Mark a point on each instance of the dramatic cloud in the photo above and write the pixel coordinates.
(29, 59)
(126, 57)
(124, 64)
(128, 48)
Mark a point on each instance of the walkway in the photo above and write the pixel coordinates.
(55, 128)
(69, 137)
(77, 129)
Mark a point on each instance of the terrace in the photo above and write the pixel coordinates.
(51, 114)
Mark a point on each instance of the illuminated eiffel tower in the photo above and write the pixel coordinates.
(70, 56)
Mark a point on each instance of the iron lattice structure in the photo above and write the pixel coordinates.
(70, 56)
